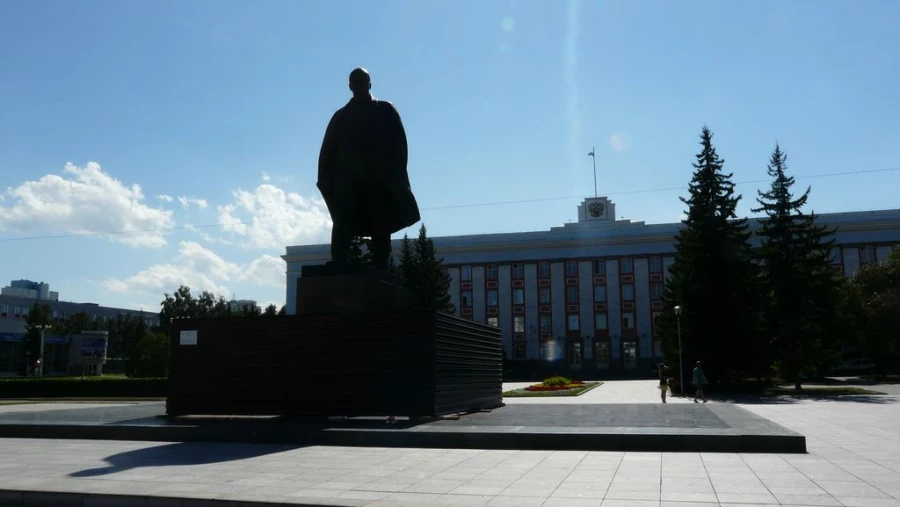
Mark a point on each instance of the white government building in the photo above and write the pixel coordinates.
(588, 292)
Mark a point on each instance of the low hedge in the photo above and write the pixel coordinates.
(88, 387)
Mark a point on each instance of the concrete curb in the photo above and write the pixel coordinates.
(15, 498)
(565, 439)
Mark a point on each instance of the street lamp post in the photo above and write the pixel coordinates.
(680, 360)
(42, 327)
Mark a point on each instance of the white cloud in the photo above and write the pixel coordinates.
(164, 197)
(268, 218)
(187, 201)
(209, 238)
(264, 304)
(620, 141)
(266, 177)
(266, 270)
(200, 269)
(85, 200)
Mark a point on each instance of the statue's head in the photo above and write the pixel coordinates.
(360, 82)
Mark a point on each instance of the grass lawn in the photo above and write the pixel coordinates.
(575, 391)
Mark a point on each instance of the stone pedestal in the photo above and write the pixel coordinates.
(326, 290)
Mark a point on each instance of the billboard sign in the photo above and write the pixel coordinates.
(89, 348)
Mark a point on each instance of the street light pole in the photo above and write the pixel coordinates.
(42, 327)
(680, 360)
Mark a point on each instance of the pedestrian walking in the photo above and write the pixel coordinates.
(699, 382)
(663, 381)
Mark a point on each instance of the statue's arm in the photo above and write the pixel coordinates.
(326, 154)
(401, 146)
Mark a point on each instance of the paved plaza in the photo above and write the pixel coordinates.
(853, 460)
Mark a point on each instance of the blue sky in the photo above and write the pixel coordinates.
(223, 103)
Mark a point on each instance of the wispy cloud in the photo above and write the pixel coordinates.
(186, 202)
(164, 197)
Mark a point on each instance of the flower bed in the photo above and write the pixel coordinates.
(554, 386)
(544, 387)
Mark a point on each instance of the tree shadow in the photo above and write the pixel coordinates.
(182, 454)
(860, 381)
(787, 399)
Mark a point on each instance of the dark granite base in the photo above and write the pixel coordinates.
(619, 427)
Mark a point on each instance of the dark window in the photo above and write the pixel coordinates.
(546, 324)
(544, 295)
(656, 264)
(544, 270)
(518, 296)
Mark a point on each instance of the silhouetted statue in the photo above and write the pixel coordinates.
(362, 173)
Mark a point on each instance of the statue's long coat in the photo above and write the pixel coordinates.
(362, 167)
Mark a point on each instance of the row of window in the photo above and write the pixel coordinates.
(867, 254)
(574, 354)
(517, 269)
(573, 322)
(626, 265)
(17, 312)
(573, 296)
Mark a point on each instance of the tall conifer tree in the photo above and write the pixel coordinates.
(713, 277)
(800, 289)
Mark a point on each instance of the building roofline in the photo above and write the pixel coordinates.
(600, 234)
(6, 299)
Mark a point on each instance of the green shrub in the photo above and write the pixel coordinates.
(557, 381)
(88, 387)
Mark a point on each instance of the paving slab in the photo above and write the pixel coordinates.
(636, 427)
(852, 460)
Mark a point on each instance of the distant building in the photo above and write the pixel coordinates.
(238, 305)
(15, 301)
(586, 295)
(30, 290)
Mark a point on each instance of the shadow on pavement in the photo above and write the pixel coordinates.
(182, 454)
(784, 399)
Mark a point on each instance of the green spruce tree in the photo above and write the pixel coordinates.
(360, 251)
(713, 277)
(800, 289)
(431, 280)
(408, 260)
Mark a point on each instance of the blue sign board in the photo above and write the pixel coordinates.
(16, 337)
